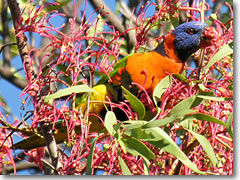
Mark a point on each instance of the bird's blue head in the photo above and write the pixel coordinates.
(187, 38)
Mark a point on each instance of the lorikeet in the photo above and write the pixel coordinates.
(149, 68)
(146, 69)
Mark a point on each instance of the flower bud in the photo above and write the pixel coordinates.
(213, 16)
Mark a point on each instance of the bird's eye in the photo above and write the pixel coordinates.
(191, 31)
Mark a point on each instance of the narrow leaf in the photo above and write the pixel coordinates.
(146, 165)
(157, 137)
(161, 88)
(229, 124)
(206, 146)
(164, 84)
(164, 141)
(124, 167)
(109, 121)
(122, 144)
(213, 98)
(137, 148)
(223, 52)
(67, 91)
(165, 121)
(135, 103)
(133, 124)
(204, 117)
(180, 77)
(90, 157)
(189, 103)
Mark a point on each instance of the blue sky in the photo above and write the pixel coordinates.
(10, 92)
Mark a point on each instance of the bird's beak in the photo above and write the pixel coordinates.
(209, 37)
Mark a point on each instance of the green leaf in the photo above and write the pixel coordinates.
(203, 117)
(90, 157)
(161, 88)
(206, 146)
(229, 124)
(128, 125)
(135, 103)
(189, 103)
(165, 121)
(157, 137)
(146, 165)
(230, 86)
(180, 77)
(122, 144)
(150, 116)
(168, 145)
(124, 167)
(224, 51)
(56, 7)
(164, 84)
(110, 123)
(67, 91)
(213, 98)
(131, 126)
(137, 148)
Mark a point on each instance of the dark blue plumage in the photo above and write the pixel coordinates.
(187, 38)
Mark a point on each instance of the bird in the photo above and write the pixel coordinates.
(146, 69)
(149, 68)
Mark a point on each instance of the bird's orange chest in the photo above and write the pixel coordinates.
(148, 69)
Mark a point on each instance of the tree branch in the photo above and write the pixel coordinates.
(7, 74)
(51, 144)
(5, 34)
(30, 75)
(109, 15)
(22, 165)
(218, 7)
(21, 39)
